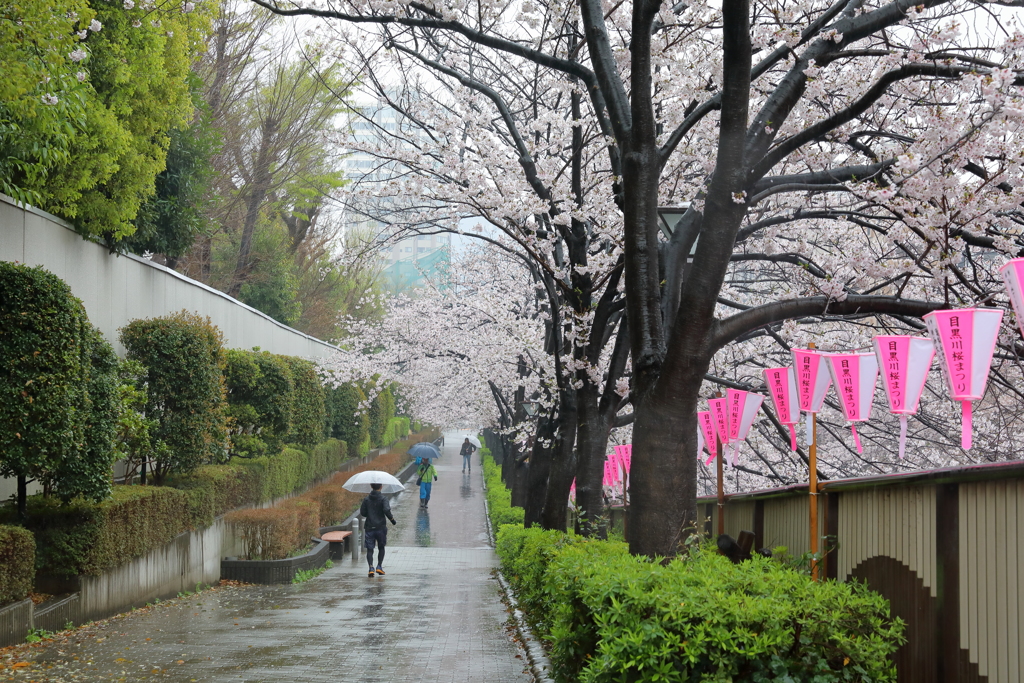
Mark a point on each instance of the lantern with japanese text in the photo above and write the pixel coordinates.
(720, 417)
(625, 454)
(855, 376)
(742, 408)
(965, 339)
(707, 428)
(904, 363)
(782, 389)
(1013, 276)
(812, 383)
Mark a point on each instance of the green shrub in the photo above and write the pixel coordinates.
(17, 563)
(610, 616)
(44, 362)
(499, 498)
(398, 428)
(381, 411)
(348, 421)
(259, 396)
(183, 357)
(86, 471)
(83, 537)
(308, 412)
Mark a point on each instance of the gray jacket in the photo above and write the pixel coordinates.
(377, 511)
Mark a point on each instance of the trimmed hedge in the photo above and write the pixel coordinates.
(83, 537)
(17, 563)
(499, 498)
(610, 616)
(345, 420)
(86, 538)
(273, 533)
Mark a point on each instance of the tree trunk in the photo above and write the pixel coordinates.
(563, 466)
(592, 444)
(262, 178)
(22, 497)
(540, 466)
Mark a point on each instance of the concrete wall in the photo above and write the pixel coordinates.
(118, 289)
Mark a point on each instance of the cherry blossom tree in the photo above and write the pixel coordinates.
(852, 161)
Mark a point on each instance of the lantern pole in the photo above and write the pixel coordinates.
(812, 458)
(721, 485)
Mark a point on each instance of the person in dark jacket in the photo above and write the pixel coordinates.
(467, 450)
(377, 511)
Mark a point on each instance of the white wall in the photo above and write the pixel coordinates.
(118, 289)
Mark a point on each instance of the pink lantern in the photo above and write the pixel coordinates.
(625, 455)
(855, 376)
(812, 383)
(572, 490)
(1013, 276)
(965, 339)
(782, 389)
(707, 428)
(904, 362)
(742, 409)
(720, 416)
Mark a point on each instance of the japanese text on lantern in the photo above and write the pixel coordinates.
(892, 367)
(805, 376)
(957, 362)
(846, 387)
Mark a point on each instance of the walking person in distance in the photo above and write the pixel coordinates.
(426, 475)
(377, 511)
(467, 450)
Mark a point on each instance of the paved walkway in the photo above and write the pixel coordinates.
(435, 616)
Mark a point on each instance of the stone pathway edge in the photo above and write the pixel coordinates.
(539, 664)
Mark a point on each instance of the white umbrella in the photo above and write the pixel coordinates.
(475, 441)
(360, 483)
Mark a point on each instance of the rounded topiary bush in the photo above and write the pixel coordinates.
(58, 392)
(184, 357)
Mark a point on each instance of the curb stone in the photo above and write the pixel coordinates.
(539, 664)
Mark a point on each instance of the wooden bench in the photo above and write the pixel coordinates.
(338, 541)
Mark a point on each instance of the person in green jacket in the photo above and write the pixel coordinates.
(427, 476)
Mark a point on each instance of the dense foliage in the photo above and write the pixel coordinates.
(84, 537)
(17, 563)
(59, 404)
(91, 92)
(346, 418)
(308, 412)
(260, 397)
(183, 357)
(499, 498)
(382, 409)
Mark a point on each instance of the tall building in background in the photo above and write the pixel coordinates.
(409, 263)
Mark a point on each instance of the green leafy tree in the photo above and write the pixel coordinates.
(86, 470)
(382, 409)
(123, 79)
(169, 221)
(260, 395)
(308, 412)
(42, 102)
(184, 357)
(44, 356)
(348, 420)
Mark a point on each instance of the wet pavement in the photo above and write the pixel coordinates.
(435, 616)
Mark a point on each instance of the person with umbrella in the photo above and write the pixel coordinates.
(426, 476)
(376, 509)
(467, 450)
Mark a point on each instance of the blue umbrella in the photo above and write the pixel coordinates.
(425, 450)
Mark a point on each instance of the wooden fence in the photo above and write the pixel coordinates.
(946, 547)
